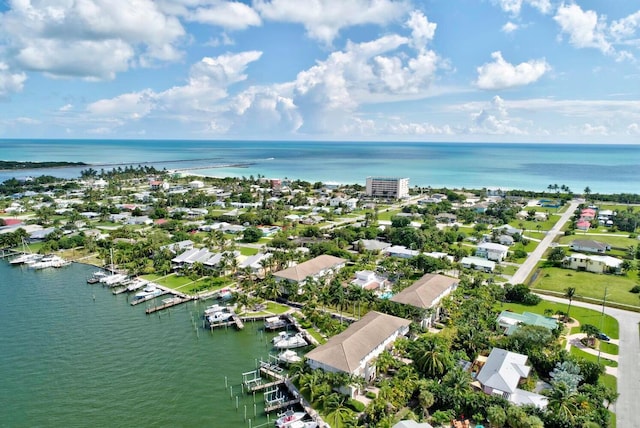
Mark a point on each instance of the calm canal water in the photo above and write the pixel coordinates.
(75, 355)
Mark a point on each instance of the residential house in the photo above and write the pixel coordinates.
(314, 268)
(354, 350)
(507, 229)
(369, 280)
(492, 251)
(446, 218)
(196, 184)
(177, 247)
(401, 251)
(478, 263)
(254, 263)
(371, 245)
(500, 375)
(189, 257)
(593, 263)
(427, 293)
(506, 240)
(409, 423)
(583, 225)
(588, 214)
(139, 220)
(509, 321)
(41, 235)
(589, 246)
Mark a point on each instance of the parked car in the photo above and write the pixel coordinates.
(603, 336)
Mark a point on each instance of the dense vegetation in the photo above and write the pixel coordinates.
(11, 165)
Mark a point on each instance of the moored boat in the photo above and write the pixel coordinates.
(286, 419)
(218, 317)
(287, 341)
(273, 323)
(289, 357)
(148, 292)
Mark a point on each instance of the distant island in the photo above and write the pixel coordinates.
(13, 165)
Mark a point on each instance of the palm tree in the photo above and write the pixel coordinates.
(569, 293)
(561, 402)
(433, 359)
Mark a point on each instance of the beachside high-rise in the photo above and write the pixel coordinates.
(388, 187)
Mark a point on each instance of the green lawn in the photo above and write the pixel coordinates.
(509, 270)
(248, 251)
(609, 381)
(533, 225)
(387, 214)
(173, 281)
(589, 284)
(535, 235)
(582, 315)
(609, 348)
(202, 284)
(593, 358)
(615, 240)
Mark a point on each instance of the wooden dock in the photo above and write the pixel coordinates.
(282, 405)
(175, 301)
(138, 301)
(261, 386)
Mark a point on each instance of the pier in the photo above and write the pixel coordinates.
(145, 299)
(235, 320)
(168, 303)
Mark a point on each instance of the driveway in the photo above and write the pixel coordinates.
(626, 408)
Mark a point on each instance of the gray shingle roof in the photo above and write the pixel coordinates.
(503, 370)
(345, 350)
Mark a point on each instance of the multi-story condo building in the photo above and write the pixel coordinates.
(388, 187)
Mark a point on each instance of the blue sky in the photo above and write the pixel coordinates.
(440, 70)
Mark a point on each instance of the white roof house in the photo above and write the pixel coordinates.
(501, 374)
(593, 263)
(400, 251)
(478, 263)
(492, 251)
(368, 280)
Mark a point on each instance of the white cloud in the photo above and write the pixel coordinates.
(323, 19)
(588, 129)
(494, 119)
(90, 38)
(197, 99)
(10, 82)
(633, 129)
(66, 107)
(231, 15)
(515, 6)
(422, 31)
(584, 28)
(510, 27)
(500, 74)
(626, 27)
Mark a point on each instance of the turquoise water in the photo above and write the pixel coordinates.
(69, 360)
(605, 168)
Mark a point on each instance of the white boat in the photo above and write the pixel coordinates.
(49, 261)
(213, 309)
(273, 323)
(225, 294)
(96, 277)
(113, 279)
(220, 316)
(26, 258)
(137, 284)
(288, 418)
(289, 357)
(148, 292)
(303, 424)
(290, 341)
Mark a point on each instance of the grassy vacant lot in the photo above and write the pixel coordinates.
(173, 281)
(582, 315)
(387, 214)
(615, 240)
(247, 251)
(589, 284)
(610, 381)
(533, 225)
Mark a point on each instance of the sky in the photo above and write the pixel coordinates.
(358, 70)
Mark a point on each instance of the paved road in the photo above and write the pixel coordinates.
(532, 260)
(626, 407)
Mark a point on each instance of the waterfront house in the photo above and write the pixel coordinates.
(501, 372)
(427, 293)
(314, 268)
(593, 263)
(478, 263)
(354, 350)
(589, 246)
(492, 251)
(255, 263)
(509, 321)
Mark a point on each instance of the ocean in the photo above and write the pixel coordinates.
(604, 168)
(74, 355)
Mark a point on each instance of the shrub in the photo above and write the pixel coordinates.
(370, 395)
(635, 289)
